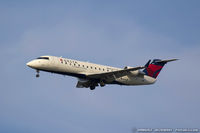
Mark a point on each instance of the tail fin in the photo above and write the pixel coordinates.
(153, 69)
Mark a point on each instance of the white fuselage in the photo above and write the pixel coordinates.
(79, 69)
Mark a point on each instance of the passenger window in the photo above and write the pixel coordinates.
(83, 65)
(99, 68)
(91, 67)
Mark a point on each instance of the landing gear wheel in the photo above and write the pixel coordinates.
(92, 87)
(37, 75)
(102, 84)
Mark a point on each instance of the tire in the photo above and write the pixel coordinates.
(37, 75)
(102, 84)
(92, 87)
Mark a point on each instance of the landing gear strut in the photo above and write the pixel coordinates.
(37, 75)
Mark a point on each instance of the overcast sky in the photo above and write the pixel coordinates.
(116, 33)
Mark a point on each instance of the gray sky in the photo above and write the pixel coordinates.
(116, 33)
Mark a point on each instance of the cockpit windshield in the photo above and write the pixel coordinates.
(46, 58)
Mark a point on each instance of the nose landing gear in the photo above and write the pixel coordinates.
(37, 75)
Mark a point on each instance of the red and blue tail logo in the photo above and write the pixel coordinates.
(154, 68)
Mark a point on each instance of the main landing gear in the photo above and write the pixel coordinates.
(92, 87)
(102, 84)
(37, 75)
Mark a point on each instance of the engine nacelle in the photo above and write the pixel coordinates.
(132, 73)
(127, 67)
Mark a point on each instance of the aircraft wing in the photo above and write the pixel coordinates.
(114, 74)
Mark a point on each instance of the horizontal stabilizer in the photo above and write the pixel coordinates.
(165, 61)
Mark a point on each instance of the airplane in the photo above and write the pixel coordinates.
(91, 75)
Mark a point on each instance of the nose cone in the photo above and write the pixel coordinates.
(30, 64)
(34, 64)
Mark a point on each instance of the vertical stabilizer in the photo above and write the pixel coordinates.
(153, 69)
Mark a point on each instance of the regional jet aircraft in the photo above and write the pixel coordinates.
(91, 75)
